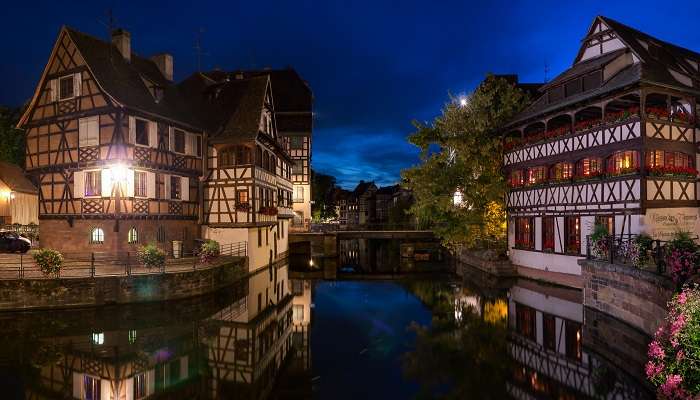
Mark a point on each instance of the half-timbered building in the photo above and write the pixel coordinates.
(611, 140)
(122, 155)
(247, 191)
(109, 143)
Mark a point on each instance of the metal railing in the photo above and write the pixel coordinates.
(628, 250)
(97, 264)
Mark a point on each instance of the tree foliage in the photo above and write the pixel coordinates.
(322, 188)
(461, 150)
(11, 139)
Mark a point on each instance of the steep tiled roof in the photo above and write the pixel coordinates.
(659, 63)
(123, 81)
(13, 176)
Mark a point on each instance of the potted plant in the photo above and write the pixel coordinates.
(49, 261)
(682, 258)
(209, 251)
(599, 242)
(151, 256)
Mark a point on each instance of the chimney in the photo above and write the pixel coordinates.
(164, 62)
(122, 40)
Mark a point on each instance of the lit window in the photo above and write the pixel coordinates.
(622, 162)
(572, 237)
(133, 236)
(66, 88)
(140, 184)
(517, 178)
(97, 236)
(562, 171)
(132, 336)
(140, 386)
(175, 187)
(98, 338)
(524, 233)
(536, 175)
(298, 312)
(93, 183)
(589, 167)
(92, 388)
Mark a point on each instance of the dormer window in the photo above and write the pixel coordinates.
(158, 93)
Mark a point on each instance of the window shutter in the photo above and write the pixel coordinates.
(83, 132)
(105, 388)
(150, 381)
(53, 89)
(188, 144)
(151, 185)
(130, 183)
(153, 134)
(77, 385)
(130, 389)
(132, 129)
(77, 83)
(166, 180)
(106, 183)
(78, 184)
(185, 187)
(171, 138)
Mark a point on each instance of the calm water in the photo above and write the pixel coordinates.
(287, 336)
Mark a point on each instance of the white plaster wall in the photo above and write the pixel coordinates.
(546, 261)
(548, 304)
(663, 223)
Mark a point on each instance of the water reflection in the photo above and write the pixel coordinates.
(289, 337)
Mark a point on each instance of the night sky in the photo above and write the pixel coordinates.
(373, 66)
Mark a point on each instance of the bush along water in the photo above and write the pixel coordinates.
(49, 261)
(599, 242)
(209, 251)
(674, 354)
(151, 256)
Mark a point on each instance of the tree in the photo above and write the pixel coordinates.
(12, 140)
(322, 188)
(462, 151)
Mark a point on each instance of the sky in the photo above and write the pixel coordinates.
(374, 66)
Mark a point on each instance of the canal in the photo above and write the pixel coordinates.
(287, 334)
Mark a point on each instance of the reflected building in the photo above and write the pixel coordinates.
(248, 342)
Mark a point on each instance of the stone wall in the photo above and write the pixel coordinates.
(484, 262)
(634, 296)
(53, 234)
(77, 292)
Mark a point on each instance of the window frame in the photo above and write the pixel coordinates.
(548, 229)
(132, 236)
(137, 186)
(59, 96)
(88, 173)
(136, 132)
(572, 222)
(97, 236)
(175, 187)
(175, 140)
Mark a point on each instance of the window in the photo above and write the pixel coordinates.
(139, 386)
(66, 88)
(589, 167)
(548, 233)
(258, 156)
(517, 178)
(608, 221)
(175, 187)
(98, 338)
(298, 194)
(549, 331)
(132, 236)
(266, 161)
(241, 349)
(623, 162)
(536, 175)
(140, 184)
(297, 168)
(562, 171)
(297, 287)
(524, 229)
(89, 132)
(242, 197)
(298, 313)
(655, 158)
(198, 145)
(525, 321)
(142, 132)
(91, 388)
(93, 183)
(658, 158)
(179, 141)
(572, 235)
(242, 155)
(97, 236)
(160, 234)
(226, 157)
(573, 339)
(296, 142)
(259, 298)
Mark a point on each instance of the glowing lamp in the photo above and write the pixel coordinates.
(118, 173)
(463, 102)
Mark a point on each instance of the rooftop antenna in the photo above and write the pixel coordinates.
(198, 49)
(546, 71)
(110, 25)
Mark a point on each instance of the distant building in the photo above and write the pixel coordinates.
(19, 198)
(363, 196)
(384, 200)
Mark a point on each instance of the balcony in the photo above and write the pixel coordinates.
(298, 200)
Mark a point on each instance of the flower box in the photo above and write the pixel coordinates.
(677, 172)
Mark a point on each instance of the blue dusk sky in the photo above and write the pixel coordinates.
(374, 66)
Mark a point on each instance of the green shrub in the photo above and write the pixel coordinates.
(682, 241)
(600, 231)
(49, 261)
(209, 251)
(151, 256)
